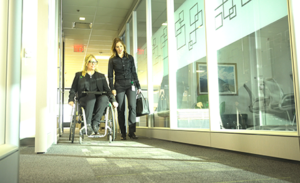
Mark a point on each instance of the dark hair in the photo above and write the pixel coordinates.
(113, 47)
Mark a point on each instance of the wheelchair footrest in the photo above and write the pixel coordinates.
(97, 136)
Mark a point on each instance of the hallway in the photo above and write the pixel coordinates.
(148, 160)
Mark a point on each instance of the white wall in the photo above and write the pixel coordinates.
(39, 72)
(29, 62)
(3, 53)
(9, 151)
(46, 76)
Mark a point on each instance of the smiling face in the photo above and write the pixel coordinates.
(119, 48)
(91, 65)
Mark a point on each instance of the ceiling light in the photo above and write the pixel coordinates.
(81, 18)
(200, 71)
(164, 24)
(102, 57)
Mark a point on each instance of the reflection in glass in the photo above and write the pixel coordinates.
(257, 92)
(265, 98)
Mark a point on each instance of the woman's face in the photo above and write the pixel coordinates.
(92, 63)
(119, 48)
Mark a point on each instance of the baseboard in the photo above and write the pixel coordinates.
(30, 141)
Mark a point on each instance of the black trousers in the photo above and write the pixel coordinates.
(94, 104)
(123, 88)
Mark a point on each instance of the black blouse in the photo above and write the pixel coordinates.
(86, 83)
(92, 81)
(124, 70)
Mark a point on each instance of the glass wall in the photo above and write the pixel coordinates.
(249, 65)
(191, 76)
(3, 54)
(160, 64)
(142, 53)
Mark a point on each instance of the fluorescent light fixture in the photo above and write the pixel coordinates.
(199, 70)
(102, 57)
(81, 18)
(164, 23)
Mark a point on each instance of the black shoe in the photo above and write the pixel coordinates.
(96, 128)
(89, 130)
(123, 137)
(132, 136)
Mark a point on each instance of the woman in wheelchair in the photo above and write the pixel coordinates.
(91, 80)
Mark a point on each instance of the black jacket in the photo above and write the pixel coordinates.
(124, 70)
(80, 84)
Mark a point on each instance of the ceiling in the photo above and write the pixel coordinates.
(108, 18)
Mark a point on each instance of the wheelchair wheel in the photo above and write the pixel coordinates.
(72, 131)
(110, 138)
(80, 139)
(112, 123)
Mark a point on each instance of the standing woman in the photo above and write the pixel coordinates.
(126, 83)
(91, 80)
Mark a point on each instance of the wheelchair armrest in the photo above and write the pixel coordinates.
(264, 100)
(287, 102)
(289, 96)
(95, 92)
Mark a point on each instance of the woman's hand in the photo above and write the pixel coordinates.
(115, 104)
(139, 91)
(114, 92)
(71, 103)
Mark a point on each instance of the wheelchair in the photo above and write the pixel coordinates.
(78, 116)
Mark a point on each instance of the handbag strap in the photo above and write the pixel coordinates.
(140, 94)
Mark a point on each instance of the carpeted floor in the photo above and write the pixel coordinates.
(148, 160)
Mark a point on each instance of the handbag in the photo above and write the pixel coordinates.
(162, 103)
(162, 106)
(142, 105)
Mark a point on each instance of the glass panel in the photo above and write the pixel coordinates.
(3, 51)
(160, 64)
(253, 56)
(191, 76)
(142, 54)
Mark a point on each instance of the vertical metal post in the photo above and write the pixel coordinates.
(60, 72)
(294, 26)
(135, 42)
(127, 37)
(172, 59)
(135, 38)
(149, 56)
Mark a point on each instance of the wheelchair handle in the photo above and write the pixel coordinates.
(94, 92)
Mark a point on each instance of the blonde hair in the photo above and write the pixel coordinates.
(86, 62)
(113, 47)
